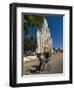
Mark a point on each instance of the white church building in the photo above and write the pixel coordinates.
(44, 40)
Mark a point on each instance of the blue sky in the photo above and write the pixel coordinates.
(55, 24)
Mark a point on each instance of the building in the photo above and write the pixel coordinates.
(44, 40)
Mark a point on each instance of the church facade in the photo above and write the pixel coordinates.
(44, 39)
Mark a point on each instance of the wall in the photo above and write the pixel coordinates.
(4, 43)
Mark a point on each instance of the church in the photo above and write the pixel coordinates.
(44, 39)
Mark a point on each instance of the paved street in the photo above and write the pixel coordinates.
(56, 65)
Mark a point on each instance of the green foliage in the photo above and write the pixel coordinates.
(32, 20)
(29, 44)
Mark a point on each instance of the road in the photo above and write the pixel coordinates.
(56, 65)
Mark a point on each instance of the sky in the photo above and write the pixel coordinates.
(55, 25)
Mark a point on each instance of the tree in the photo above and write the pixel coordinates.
(32, 20)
